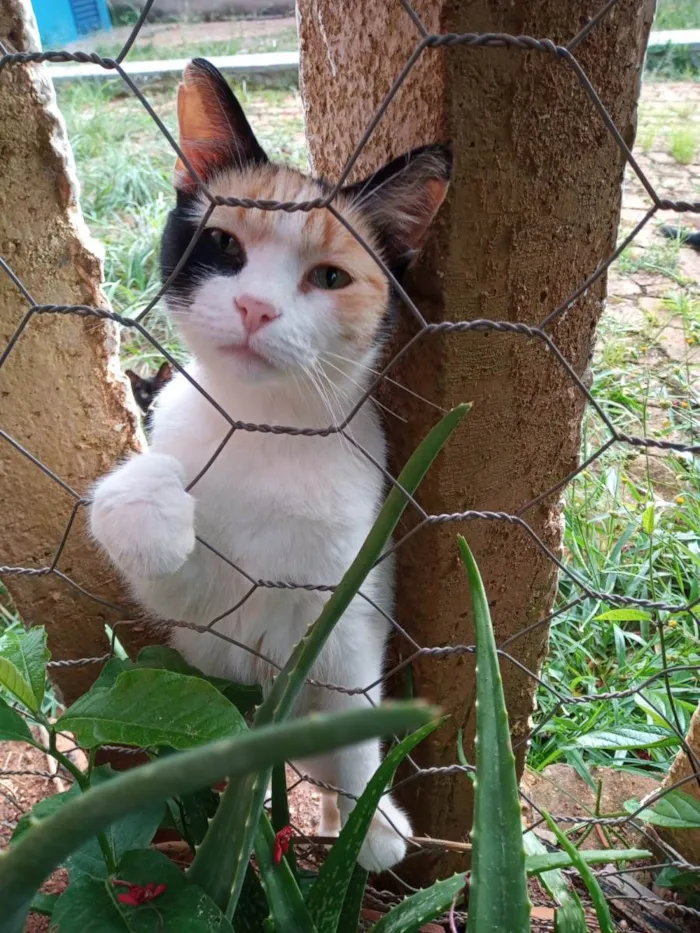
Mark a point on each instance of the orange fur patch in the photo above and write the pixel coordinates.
(320, 238)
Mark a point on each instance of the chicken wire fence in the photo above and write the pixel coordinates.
(541, 332)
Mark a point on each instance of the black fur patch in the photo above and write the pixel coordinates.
(205, 259)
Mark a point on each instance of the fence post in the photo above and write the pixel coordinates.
(62, 398)
(686, 841)
(533, 209)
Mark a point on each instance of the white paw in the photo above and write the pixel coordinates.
(385, 843)
(143, 518)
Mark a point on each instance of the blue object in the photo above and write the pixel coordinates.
(63, 21)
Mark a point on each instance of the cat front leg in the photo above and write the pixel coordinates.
(143, 518)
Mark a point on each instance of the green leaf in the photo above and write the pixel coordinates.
(243, 696)
(288, 912)
(132, 831)
(623, 737)
(570, 917)
(44, 904)
(536, 864)
(626, 614)
(280, 810)
(422, 907)
(498, 891)
(648, 519)
(152, 707)
(13, 728)
(678, 880)
(12, 680)
(589, 879)
(25, 866)
(676, 810)
(349, 921)
(221, 876)
(27, 651)
(328, 893)
(198, 809)
(252, 910)
(91, 906)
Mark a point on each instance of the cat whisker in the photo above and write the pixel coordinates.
(398, 385)
(360, 386)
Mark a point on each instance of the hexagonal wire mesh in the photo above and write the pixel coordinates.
(540, 333)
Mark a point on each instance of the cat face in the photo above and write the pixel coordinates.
(267, 294)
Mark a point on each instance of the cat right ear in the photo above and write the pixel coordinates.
(214, 131)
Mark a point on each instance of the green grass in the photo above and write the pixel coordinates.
(674, 62)
(677, 14)
(684, 144)
(283, 41)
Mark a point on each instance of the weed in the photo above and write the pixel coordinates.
(684, 143)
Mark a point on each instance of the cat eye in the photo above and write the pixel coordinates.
(226, 242)
(329, 278)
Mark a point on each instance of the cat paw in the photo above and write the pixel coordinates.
(385, 842)
(143, 518)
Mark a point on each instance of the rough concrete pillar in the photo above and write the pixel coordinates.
(533, 209)
(61, 395)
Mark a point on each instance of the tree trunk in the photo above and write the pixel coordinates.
(533, 209)
(63, 398)
(686, 841)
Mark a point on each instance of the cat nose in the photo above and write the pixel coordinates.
(255, 313)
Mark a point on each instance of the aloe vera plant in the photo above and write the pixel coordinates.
(220, 864)
(196, 729)
(498, 900)
(25, 866)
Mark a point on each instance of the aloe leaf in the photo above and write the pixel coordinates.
(422, 907)
(349, 920)
(498, 899)
(570, 917)
(25, 865)
(252, 910)
(326, 897)
(280, 810)
(288, 911)
(589, 879)
(219, 864)
(549, 861)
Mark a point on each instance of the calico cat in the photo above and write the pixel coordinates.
(146, 388)
(284, 315)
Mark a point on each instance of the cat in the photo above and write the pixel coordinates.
(145, 390)
(684, 236)
(284, 314)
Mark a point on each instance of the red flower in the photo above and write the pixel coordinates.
(139, 893)
(282, 840)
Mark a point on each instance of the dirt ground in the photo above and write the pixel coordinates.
(170, 35)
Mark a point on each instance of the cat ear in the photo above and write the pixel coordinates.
(214, 132)
(134, 379)
(401, 199)
(165, 372)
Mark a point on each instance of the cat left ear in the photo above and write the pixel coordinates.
(402, 198)
(214, 131)
(165, 372)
